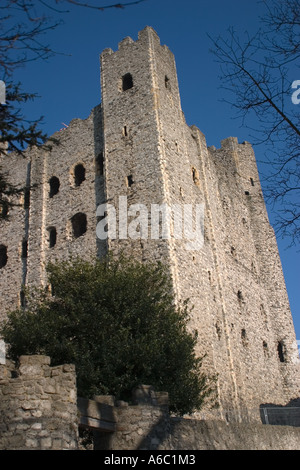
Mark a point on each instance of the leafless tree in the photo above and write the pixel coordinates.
(258, 73)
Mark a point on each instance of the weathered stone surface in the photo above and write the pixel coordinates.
(38, 417)
(218, 435)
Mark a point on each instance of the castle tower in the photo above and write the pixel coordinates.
(234, 280)
(133, 160)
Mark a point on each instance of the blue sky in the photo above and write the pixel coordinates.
(69, 83)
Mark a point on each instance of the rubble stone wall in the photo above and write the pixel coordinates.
(38, 406)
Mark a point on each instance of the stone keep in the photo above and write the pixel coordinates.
(137, 145)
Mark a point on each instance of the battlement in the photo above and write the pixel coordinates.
(144, 36)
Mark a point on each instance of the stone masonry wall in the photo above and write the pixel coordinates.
(38, 406)
(235, 280)
(38, 411)
(142, 425)
(186, 434)
(148, 425)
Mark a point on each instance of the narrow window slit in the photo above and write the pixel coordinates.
(127, 81)
(3, 256)
(129, 181)
(24, 249)
(280, 351)
(100, 164)
(167, 83)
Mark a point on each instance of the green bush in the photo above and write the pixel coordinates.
(117, 322)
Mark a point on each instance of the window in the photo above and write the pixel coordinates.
(22, 299)
(79, 224)
(27, 198)
(195, 175)
(239, 295)
(24, 249)
(125, 132)
(99, 164)
(52, 236)
(3, 256)
(54, 186)
(79, 174)
(127, 81)
(280, 351)
(244, 337)
(252, 181)
(129, 181)
(167, 83)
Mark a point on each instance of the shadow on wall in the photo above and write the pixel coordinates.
(180, 433)
(158, 437)
(100, 192)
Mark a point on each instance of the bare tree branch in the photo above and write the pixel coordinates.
(256, 72)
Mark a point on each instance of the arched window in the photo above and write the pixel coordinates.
(79, 224)
(54, 186)
(127, 81)
(79, 174)
(3, 256)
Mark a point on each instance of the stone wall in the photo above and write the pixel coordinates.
(235, 281)
(142, 425)
(38, 407)
(189, 434)
(148, 425)
(38, 411)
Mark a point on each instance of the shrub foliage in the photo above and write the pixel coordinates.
(117, 322)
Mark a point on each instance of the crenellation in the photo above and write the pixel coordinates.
(125, 43)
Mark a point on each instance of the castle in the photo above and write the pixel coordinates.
(134, 151)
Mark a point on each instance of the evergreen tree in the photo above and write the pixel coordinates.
(117, 322)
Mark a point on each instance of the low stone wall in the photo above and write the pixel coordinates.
(38, 408)
(142, 425)
(147, 425)
(188, 434)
